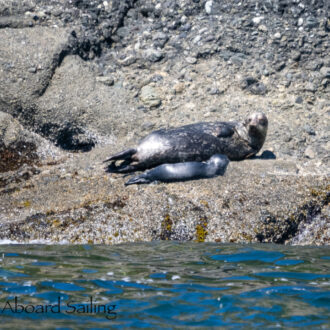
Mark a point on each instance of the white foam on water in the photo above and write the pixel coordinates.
(175, 277)
(34, 241)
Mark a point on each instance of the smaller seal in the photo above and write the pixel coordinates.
(216, 165)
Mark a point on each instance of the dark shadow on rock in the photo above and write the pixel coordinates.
(69, 136)
(267, 154)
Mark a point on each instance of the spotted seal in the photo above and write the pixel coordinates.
(215, 166)
(195, 142)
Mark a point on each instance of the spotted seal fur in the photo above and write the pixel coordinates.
(194, 142)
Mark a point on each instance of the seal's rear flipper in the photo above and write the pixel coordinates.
(126, 154)
(124, 167)
(111, 168)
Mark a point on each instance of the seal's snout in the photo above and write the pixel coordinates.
(257, 119)
(257, 125)
(220, 159)
(218, 164)
(254, 121)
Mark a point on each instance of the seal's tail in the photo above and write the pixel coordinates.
(126, 154)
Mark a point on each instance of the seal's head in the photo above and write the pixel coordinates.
(217, 164)
(256, 126)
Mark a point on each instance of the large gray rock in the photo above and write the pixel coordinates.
(28, 58)
(255, 201)
(77, 111)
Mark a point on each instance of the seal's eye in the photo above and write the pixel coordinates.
(262, 121)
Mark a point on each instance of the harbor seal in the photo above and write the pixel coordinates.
(216, 165)
(195, 142)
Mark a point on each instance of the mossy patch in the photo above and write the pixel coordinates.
(201, 230)
(166, 230)
(205, 203)
(321, 193)
(26, 203)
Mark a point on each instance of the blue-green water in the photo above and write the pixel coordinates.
(164, 285)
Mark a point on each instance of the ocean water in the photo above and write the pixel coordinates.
(164, 285)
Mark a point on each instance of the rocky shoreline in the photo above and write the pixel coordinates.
(80, 80)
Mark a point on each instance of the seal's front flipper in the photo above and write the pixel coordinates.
(224, 131)
(126, 154)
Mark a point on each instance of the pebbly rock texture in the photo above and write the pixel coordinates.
(96, 76)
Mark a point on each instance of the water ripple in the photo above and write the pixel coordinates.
(165, 285)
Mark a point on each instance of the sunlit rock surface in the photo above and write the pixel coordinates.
(73, 82)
